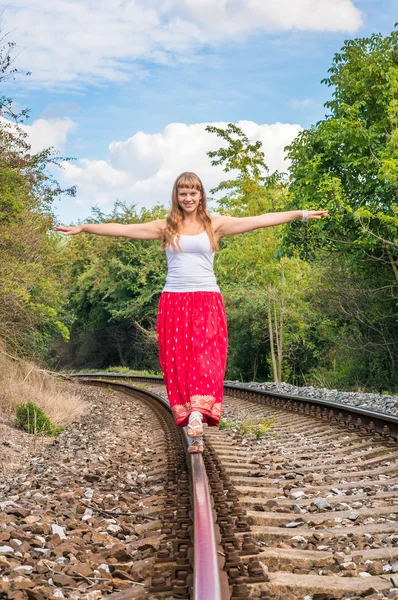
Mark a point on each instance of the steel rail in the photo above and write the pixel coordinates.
(206, 570)
(370, 419)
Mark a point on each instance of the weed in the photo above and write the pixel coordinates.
(257, 427)
(33, 419)
(262, 429)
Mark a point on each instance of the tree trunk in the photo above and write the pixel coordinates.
(255, 365)
(282, 314)
(277, 339)
(271, 334)
(115, 335)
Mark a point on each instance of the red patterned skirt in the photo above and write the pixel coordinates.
(193, 341)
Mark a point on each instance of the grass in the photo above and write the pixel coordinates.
(257, 427)
(121, 370)
(23, 382)
(128, 371)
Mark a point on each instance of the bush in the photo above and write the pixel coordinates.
(33, 419)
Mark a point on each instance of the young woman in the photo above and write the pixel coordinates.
(191, 325)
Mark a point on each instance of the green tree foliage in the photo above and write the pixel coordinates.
(348, 163)
(354, 343)
(308, 304)
(264, 303)
(114, 287)
(30, 291)
(252, 188)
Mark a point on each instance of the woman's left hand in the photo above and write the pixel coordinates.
(317, 214)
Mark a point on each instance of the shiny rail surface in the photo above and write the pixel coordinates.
(206, 571)
(354, 418)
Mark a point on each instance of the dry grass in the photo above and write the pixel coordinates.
(22, 381)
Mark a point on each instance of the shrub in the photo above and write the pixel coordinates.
(33, 419)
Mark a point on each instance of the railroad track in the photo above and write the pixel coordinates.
(189, 560)
(315, 501)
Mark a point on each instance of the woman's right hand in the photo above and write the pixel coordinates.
(69, 230)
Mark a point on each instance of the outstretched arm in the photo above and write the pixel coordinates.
(232, 225)
(153, 230)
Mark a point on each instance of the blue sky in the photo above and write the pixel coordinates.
(127, 90)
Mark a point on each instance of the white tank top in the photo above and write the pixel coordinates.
(191, 270)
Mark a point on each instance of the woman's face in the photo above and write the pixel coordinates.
(188, 199)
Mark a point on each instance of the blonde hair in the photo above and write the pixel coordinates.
(172, 232)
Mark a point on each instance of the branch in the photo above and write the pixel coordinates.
(149, 335)
(387, 242)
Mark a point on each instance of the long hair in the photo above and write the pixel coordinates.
(172, 232)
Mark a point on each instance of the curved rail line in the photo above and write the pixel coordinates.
(207, 575)
(256, 507)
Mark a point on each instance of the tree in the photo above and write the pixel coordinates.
(8, 71)
(114, 285)
(253, 261)
(348, 162)
(354, 342)
(253, 189)
(30, 290)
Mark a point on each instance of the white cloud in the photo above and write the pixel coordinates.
(44, 133)
(75, 42)
(232, 17)
(143, 168)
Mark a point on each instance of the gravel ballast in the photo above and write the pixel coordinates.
(80, 519)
